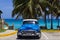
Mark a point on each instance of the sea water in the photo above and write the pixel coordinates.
(17, 23)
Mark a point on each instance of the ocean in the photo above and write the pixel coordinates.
(17, 23)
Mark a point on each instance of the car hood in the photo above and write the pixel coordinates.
(29, 27)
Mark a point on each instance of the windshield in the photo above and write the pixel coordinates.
(30, 22)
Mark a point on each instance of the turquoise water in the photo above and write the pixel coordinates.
(18, 23)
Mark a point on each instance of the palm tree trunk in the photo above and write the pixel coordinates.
(51, 22)
(48, 18)
(44, 17)
(45, 21)
(58, 21)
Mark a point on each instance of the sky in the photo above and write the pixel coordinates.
(6, 6)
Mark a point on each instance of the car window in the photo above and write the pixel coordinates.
(30, 22)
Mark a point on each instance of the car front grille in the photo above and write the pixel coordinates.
(29, 31)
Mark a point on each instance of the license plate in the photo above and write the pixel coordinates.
(27, 34)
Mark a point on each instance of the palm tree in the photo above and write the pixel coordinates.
(26, 8)
(57, 8)
(31, 8)
(0, 20)
(48, 11)
(58, 15)
(53, 3)
(0, 13)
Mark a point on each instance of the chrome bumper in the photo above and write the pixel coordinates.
(29, 34)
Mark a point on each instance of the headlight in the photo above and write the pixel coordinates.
(38, 33)
(32, 34)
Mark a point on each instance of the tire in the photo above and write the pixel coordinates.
(19, 37)
(39, 36)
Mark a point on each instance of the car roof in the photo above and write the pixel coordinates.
(30, 20)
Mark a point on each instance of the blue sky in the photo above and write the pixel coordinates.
(6, 6)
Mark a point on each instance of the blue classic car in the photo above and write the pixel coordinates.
(29, 29)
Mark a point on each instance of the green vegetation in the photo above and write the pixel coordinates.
(2, 30)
